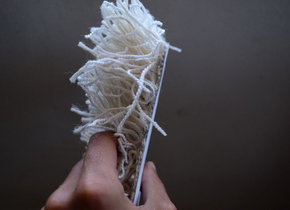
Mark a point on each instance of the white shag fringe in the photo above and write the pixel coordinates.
(122, 82)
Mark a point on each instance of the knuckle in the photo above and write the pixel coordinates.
(167, 206)
(54, 203)
(90, 192)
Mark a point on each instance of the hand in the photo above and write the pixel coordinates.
(93, 183)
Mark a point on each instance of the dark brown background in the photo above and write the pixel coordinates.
(225, 101)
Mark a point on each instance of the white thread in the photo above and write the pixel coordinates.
(122, 82)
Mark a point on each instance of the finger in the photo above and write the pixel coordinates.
(99, 182)
(101, 156)
(153, 191)
(60, 199)
(151, 184)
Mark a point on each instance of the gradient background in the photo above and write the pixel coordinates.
(225, 101)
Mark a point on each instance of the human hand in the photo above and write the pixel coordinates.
(93, 183)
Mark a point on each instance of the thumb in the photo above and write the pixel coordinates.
(153, 191)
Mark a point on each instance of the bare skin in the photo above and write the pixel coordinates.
(93, 183)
